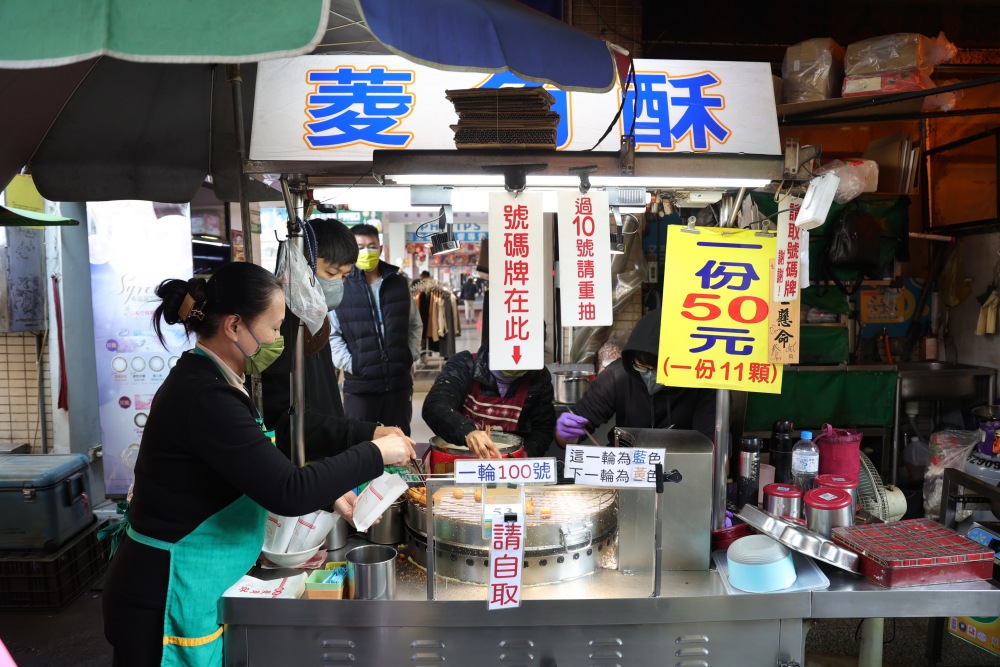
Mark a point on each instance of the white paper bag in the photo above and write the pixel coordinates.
(310, 530)
(278, 532)
(375, 499)
(252, 587)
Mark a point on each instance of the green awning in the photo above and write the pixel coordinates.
(49, 33)
(17, 217)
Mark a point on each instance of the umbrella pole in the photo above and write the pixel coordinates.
(236, 85)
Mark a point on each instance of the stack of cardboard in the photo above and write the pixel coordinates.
(893, 63)
(812, 70)
(515, 118)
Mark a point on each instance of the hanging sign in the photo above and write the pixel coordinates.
(619, 467)
(584, 259)
(344, 107)
(787, 265)
(517, 281)
(506, 556)
(783, 322)
(713, 331)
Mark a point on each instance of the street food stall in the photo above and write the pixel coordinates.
(498, 561)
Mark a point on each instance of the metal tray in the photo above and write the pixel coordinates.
(801, 539)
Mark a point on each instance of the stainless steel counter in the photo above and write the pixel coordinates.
(607, 618)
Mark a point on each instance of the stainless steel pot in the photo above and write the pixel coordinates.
(570, 386)
(337, 537)
(390, 530)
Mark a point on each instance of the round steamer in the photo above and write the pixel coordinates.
(760, 564)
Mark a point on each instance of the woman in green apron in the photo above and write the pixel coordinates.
(208, 473)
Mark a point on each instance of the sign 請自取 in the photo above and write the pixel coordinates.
(506, 557)
(517, 313)
(584, 259)
(618, 467)
(506, 471)
(714, 326)
(342, 108)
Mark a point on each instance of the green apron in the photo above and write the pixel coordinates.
(203, 565)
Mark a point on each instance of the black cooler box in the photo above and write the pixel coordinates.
(44, 500)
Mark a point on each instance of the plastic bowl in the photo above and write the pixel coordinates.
(290, 559)
(760, 564)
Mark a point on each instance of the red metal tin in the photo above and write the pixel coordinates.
(915, 552)
(783, 490)
(828, 499)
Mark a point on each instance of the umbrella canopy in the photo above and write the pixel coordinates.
(487, 36)
(99, 109)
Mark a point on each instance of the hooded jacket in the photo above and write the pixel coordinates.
(619, 392)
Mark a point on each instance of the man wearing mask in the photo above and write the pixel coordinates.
(375, 337)
(327, 430)
(627, 390)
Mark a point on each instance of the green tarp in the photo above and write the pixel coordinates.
(48, 33)
(812, 398)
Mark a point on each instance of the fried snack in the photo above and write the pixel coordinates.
(458, 494)
(529, 507)
(545, 513)
(478, 495)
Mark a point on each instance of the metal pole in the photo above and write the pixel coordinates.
(294, 197)
(236, 85)
(721, 458)
(894, 445)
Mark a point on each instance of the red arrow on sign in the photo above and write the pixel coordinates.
(517, 353)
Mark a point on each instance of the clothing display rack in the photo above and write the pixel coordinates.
(438, 309)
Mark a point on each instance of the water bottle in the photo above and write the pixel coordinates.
(805, 462)
(749, 479)
(781, 451)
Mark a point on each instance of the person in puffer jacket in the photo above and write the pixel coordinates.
(467, 396)
(627, 390)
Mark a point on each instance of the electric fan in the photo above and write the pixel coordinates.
(886, 503)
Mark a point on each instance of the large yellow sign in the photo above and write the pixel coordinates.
(714, 327)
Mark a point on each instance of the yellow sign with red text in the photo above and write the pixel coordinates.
(714, 326)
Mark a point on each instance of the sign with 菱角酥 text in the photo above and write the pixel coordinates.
(344, 107)
(618, 467)
(505, 471)
(584, 259)
(517, 281)
(506, 558)
(714, 320)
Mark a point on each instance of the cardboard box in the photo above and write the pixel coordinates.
(901, 51)
(812, 70)
(886, 82)
(983, 632)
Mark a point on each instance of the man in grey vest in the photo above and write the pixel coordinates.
(375, 337)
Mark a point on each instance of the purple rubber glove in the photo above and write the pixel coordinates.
(570, 426)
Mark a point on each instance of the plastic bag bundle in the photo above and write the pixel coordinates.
(948, 449)
(856, 176)
(303, 293)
